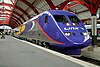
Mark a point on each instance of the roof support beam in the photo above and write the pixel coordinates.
(16, 14)
(92, 5)
(17, 19)
(5, 16)
(12, 16)
(70, 6)
(30, 5)
(13, 1)
(97, 3)
(86, 19)
(82, 11)
(63, 4)
(51, 5)
(18, 22)
(10, 24)
(19, 15)
(13, 24)
(24, 12)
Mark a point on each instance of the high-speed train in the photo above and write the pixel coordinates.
(56, 29)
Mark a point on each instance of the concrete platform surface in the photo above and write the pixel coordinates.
(14, 53)
(91, 52)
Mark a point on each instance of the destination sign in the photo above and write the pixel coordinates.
(73, 28)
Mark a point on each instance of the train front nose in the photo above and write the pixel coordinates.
(77, 40)
(77, 37)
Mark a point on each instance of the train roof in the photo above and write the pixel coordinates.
(52, 12)
(60, 12)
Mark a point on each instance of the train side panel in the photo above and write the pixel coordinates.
(49, 27)
(60, 29)
(44, 27)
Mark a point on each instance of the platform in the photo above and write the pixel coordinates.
(90, 52)
(18, 53)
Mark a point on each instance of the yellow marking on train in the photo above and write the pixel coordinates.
(21, 29)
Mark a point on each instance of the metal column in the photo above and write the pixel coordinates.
(94, 31)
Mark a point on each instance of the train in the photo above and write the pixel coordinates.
(58, 30)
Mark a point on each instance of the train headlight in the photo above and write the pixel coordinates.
(67, 24)
(85, 33)
(86, 36)
(68, 34)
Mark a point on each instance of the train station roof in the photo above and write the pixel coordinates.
(15, 12)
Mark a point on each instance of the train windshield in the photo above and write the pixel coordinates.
(74, 20)
(62, 19)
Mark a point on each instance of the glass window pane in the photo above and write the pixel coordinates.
(60, 18)
(74, 19)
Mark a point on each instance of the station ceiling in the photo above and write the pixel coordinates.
(16, 12)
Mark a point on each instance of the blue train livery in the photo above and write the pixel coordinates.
(58, 30)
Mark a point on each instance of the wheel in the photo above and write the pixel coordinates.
(46, 45)
(2, 37)
(39, 43)
(36, 42)
(25, 39)
(33, 41)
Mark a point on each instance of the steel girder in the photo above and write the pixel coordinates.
(6, 4)
(18, 22)
(51, 5)
(13, 19)
(16, 14)
(92, 5)
(17, 19)
(30, 5)
(12, 24)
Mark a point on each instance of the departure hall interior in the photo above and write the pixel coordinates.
(49, 33)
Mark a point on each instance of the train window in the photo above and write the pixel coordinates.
(46, 19)
(74, 20)
(60, 18)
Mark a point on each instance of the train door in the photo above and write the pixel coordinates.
(48, 24)
(43, 20)
(49, 27)
(45, 23)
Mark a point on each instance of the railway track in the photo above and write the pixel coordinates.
(93, 61)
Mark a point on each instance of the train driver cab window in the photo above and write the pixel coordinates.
(61, 19)
(75, 21)
(46, 19)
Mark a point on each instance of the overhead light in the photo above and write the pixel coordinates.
(97, 15)
(69, 3)
(56, 8)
